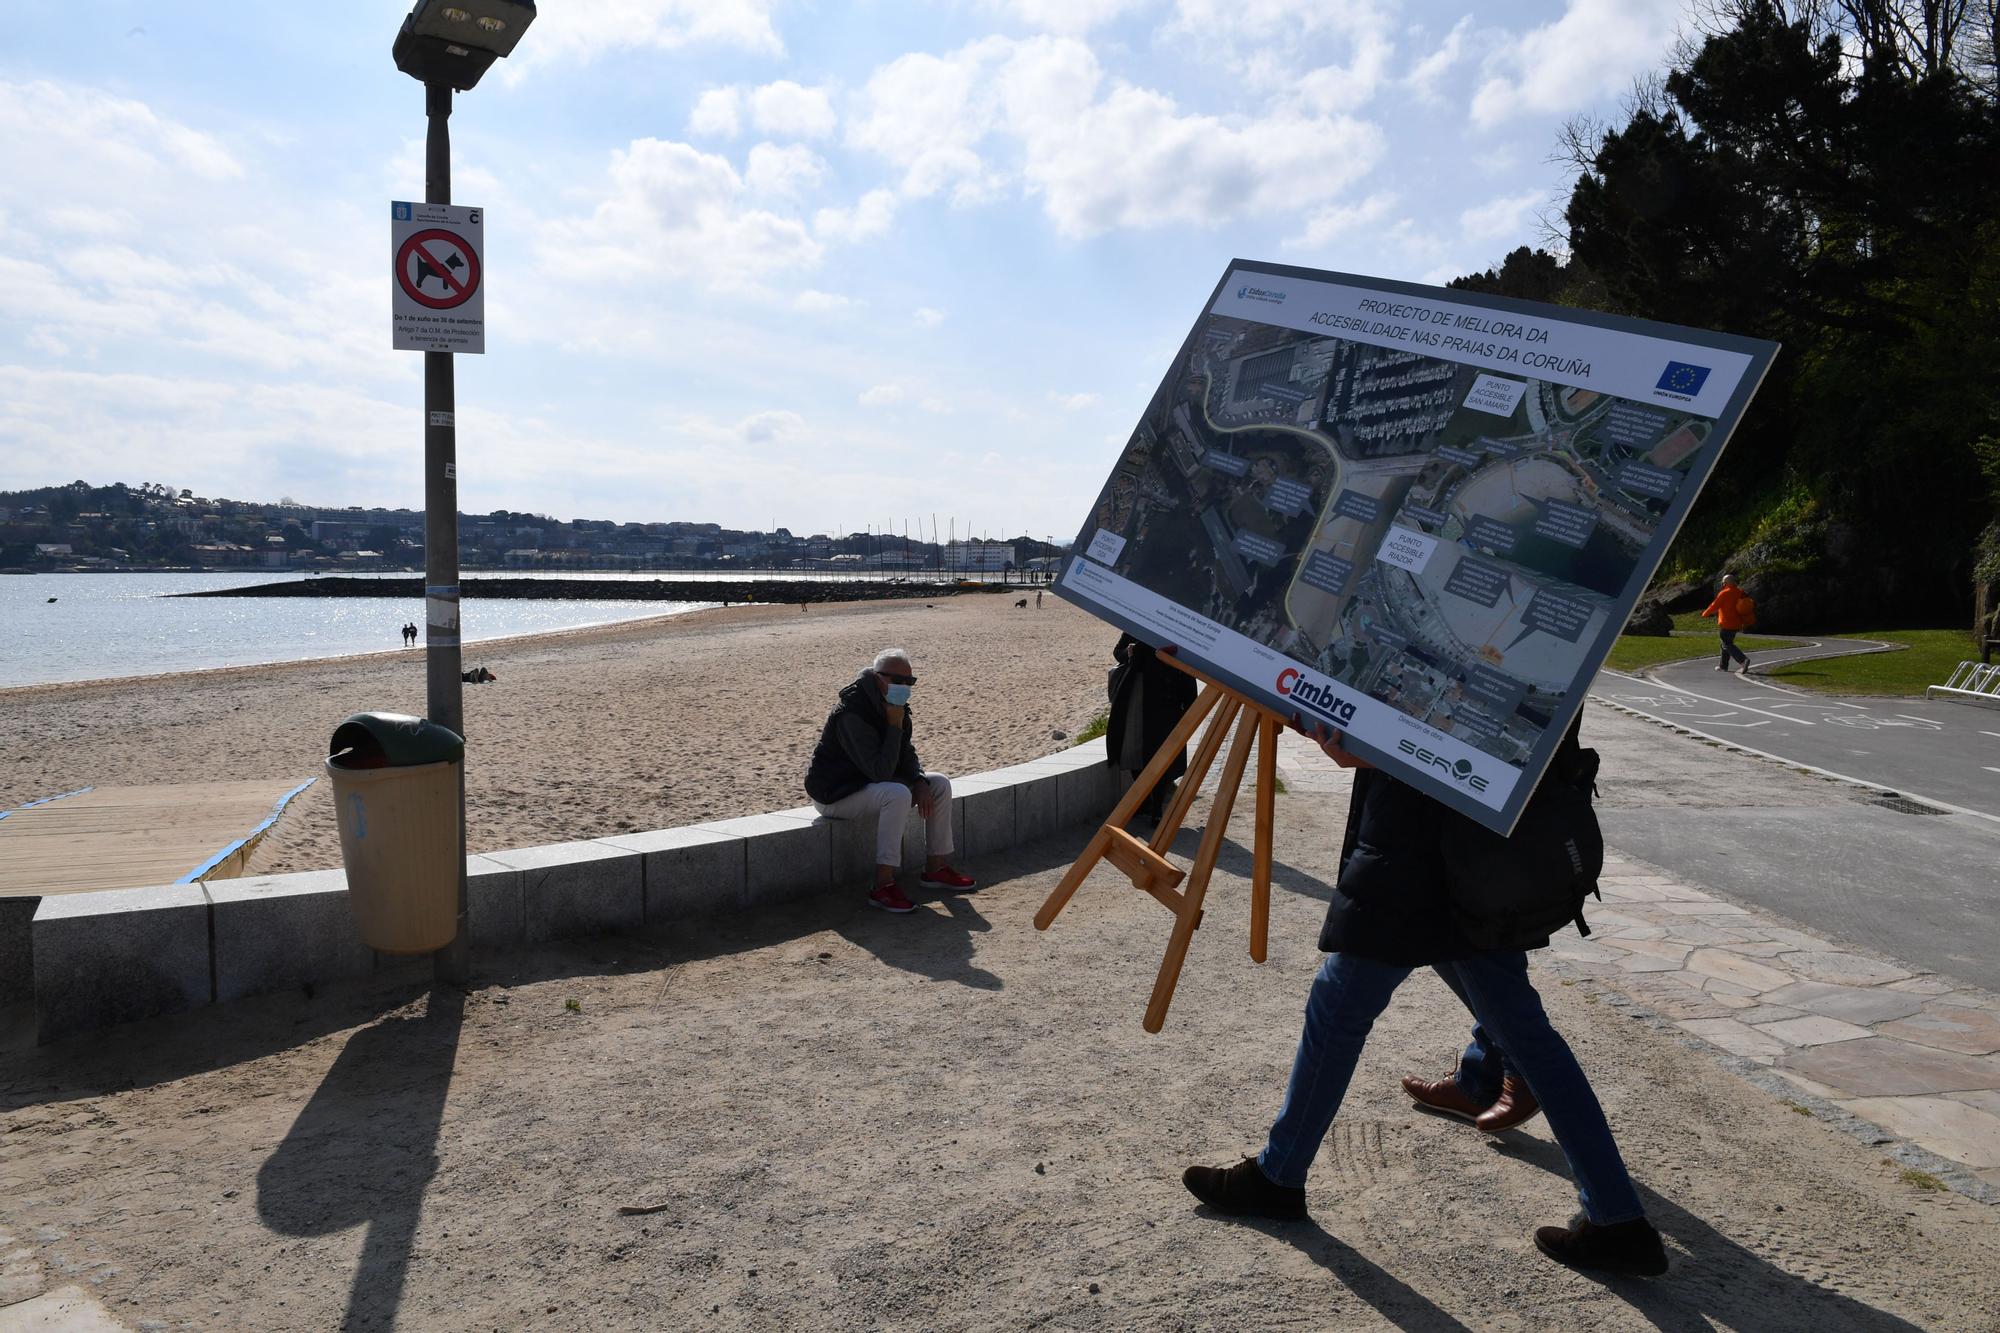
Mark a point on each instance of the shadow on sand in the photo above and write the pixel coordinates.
(1717, 1283)
(364, 1149)
(1396, 1301)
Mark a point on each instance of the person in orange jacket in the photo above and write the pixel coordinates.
(1731, 611)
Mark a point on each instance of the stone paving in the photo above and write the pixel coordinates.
(1889, 1052)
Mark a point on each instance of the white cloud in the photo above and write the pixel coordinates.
(1425, 75)
(1340, 221)
(787, 109)
(128, 227)
(1073, 402)
(674, 211)
(585, 29)
(1099, 153)
(770, 427)
(926, 317)
(1265, 42)
(927, 114)
(717, 114)
(1596, 47)
(883, 395)
(785, 170)
(241, 436)
(1501, 218)
(813, 302)
(1066, 16)
(871, 215)
(68, 140)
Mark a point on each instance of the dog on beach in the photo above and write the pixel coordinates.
(1021, 605)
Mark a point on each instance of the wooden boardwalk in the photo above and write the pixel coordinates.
(130, 837)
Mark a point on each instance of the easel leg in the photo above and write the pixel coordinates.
(1197, 881)
(1197, 772)
(1155, 769)
(1260, 874)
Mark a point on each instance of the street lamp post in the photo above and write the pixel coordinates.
(447, 46)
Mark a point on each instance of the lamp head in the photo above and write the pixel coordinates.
(453, 42)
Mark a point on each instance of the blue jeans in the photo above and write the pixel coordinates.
(1350, 992)
(1483, 1066)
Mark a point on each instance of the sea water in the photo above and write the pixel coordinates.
(106, 626)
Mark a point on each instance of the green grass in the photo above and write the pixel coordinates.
(1633, 651)
(1923, 1180)
(1929, 657)
(1098, 726)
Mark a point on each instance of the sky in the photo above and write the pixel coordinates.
(827, 266)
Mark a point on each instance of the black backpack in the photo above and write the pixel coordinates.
(1514, 892)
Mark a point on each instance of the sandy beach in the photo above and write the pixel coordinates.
(829, 1118)
(592, 732)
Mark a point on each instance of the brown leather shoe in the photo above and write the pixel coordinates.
(1443, 1096)
(1516, 1106)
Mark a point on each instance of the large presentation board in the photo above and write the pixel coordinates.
(1420, 516)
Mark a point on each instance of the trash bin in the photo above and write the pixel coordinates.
(395, 794)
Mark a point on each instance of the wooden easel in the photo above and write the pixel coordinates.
(1145, 863)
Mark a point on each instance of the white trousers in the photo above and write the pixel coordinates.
(890, 803)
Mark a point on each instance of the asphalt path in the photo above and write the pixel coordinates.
(1945, 752)
(1916, 882)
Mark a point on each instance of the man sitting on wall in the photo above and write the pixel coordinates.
(865, 765)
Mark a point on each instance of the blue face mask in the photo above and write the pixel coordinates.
(897, 695)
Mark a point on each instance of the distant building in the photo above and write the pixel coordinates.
(979, 557)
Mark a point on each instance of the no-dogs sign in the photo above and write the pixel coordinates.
(437, 299)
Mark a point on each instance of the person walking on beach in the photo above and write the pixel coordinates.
(865, 766)
(1732, 611)
(1391, 912)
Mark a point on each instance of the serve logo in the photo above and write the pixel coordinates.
(1319, 700)
(1460, 772)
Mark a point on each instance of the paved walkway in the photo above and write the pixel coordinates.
(1913, 1055)
(1943, 751)
(131, 837)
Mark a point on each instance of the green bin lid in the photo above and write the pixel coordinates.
(394, 740)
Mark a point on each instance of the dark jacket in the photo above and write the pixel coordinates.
(1392, 901)
(1148, 694)
(857, 746)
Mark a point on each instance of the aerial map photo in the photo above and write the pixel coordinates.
(1445, 539)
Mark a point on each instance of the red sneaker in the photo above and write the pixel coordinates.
(890, 899)
(944, 877)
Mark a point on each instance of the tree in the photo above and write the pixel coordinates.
(1827, 176)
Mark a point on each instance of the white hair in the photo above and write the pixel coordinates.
(888, 655)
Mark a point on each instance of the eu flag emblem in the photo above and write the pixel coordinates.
(1680, 377)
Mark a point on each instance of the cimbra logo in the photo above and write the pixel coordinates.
(1319, 700)
(1459, 772)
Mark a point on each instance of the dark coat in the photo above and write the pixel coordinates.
(1162, 695)
(1392, 901)
(857, 746)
